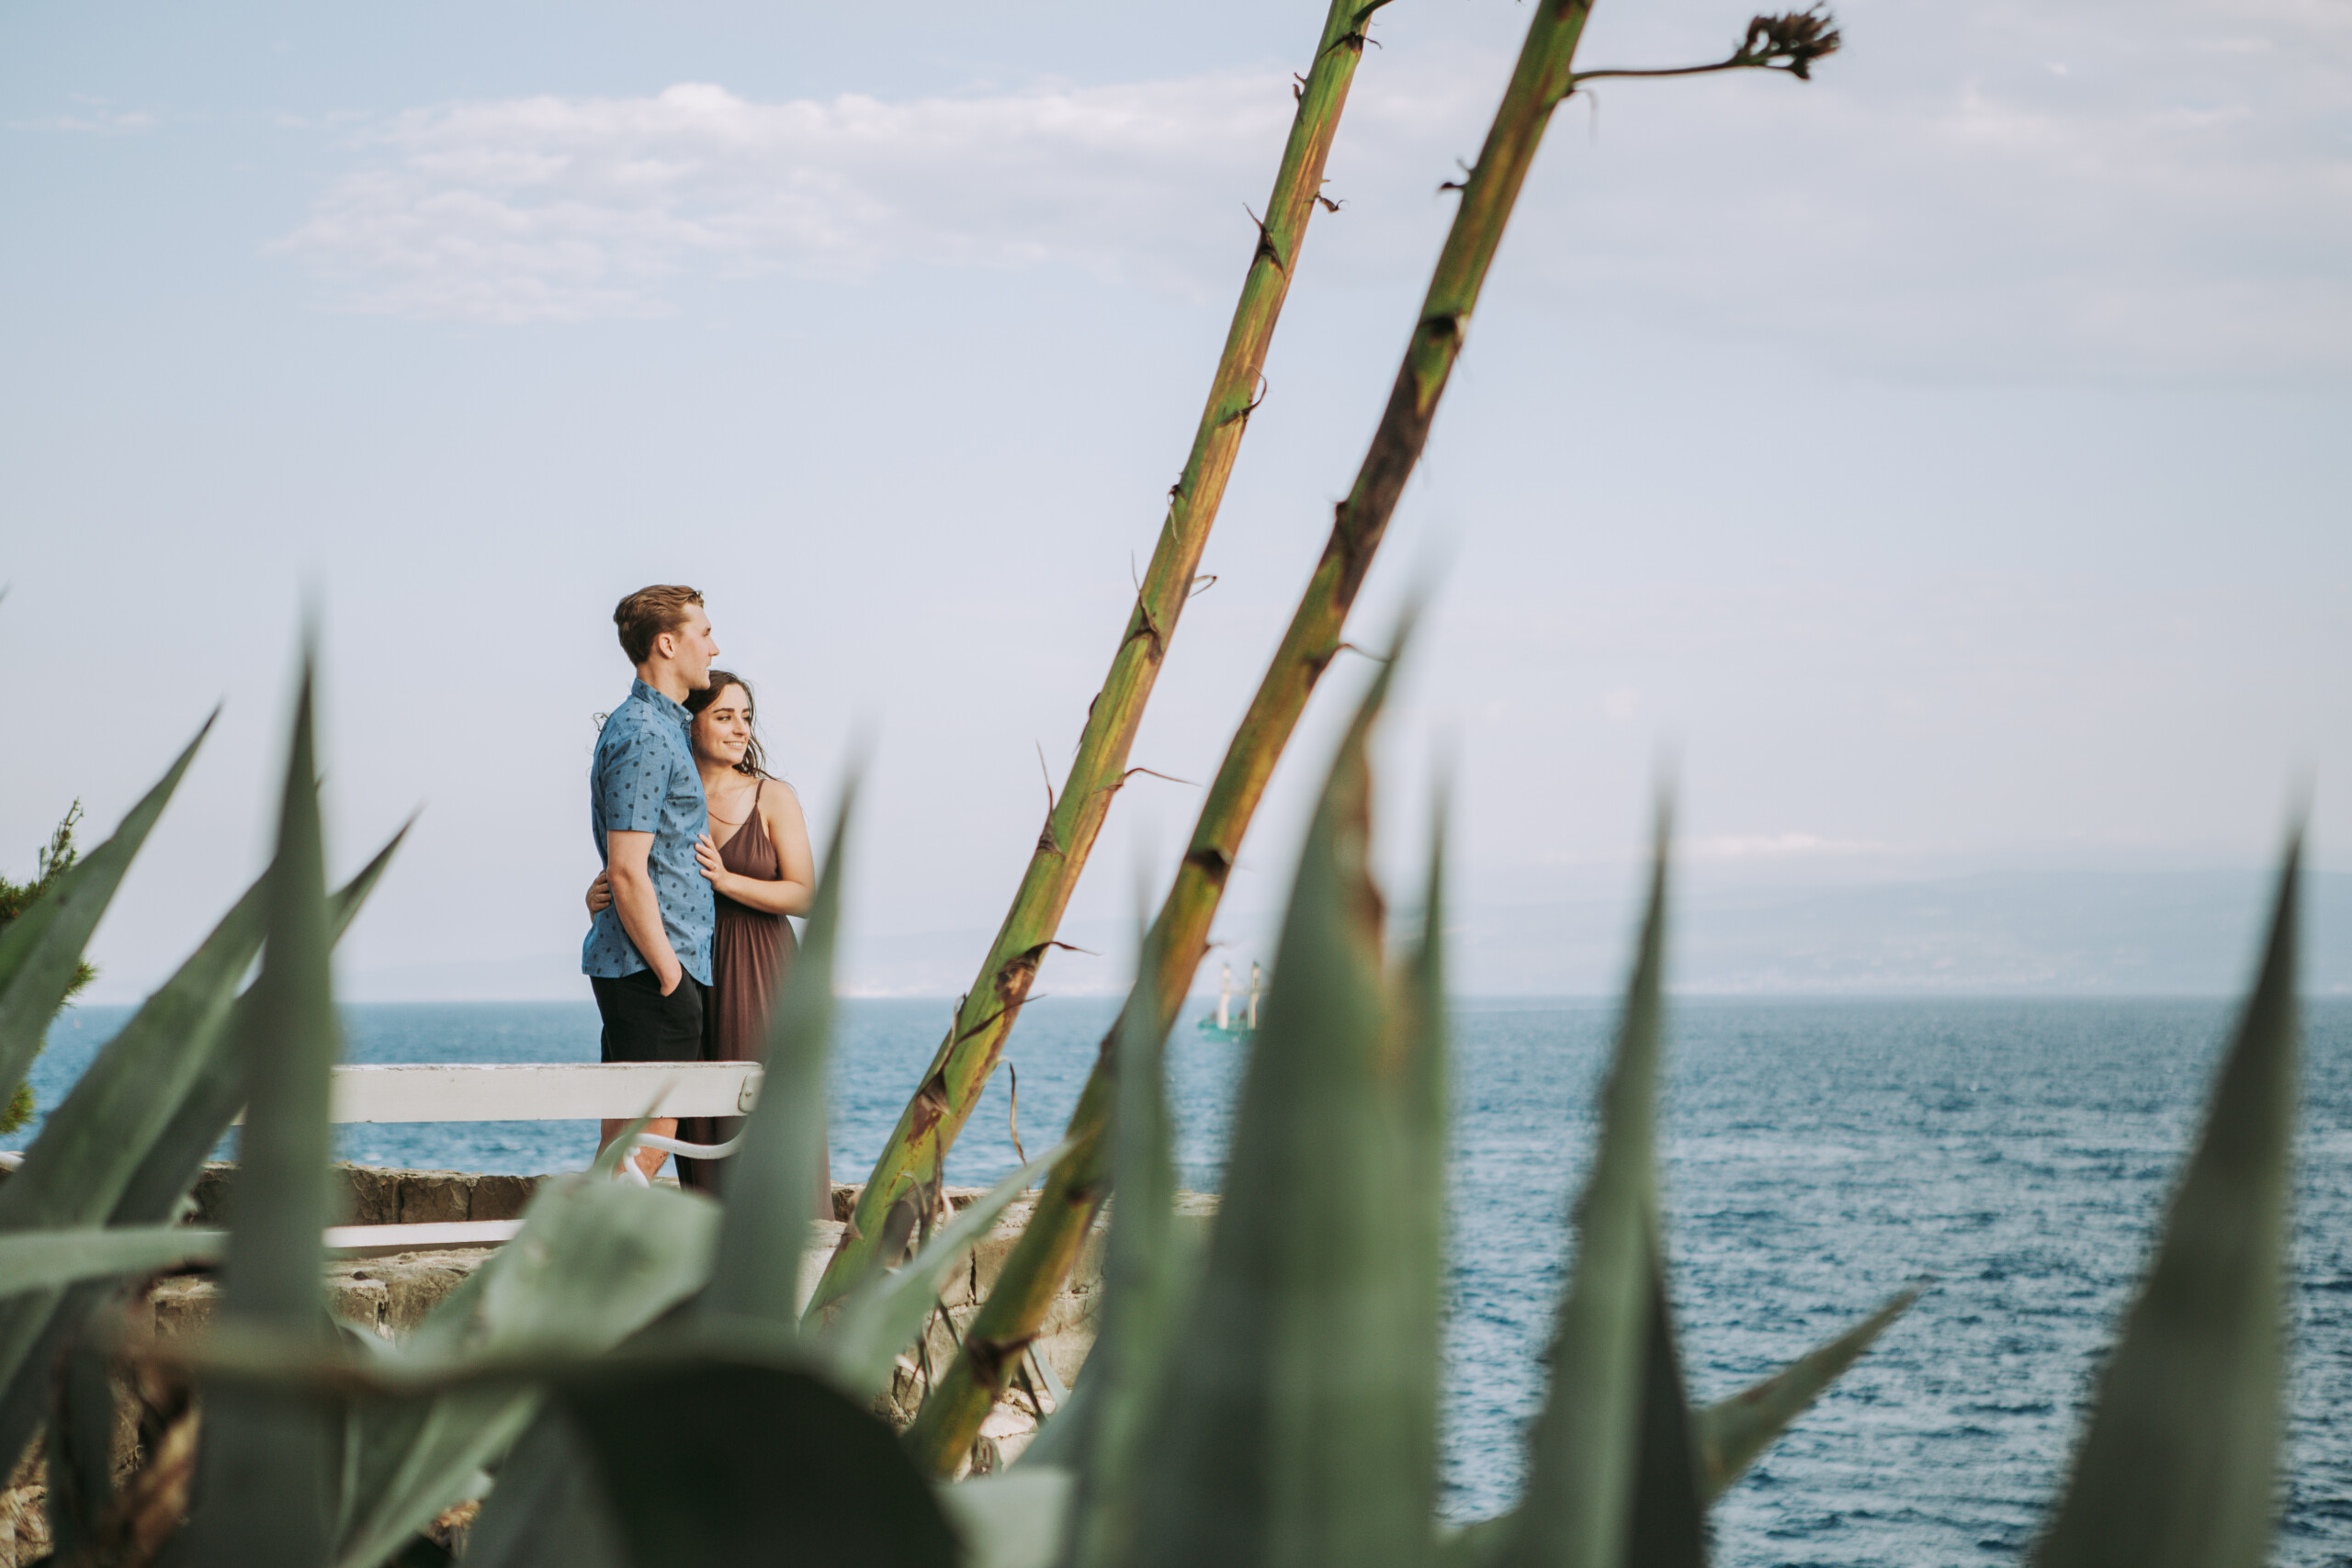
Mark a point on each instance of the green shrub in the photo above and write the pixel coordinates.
(54, 860)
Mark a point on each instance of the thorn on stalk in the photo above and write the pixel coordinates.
(1469, 173)
(1201, 584)
(1266, 244)
(1047, 774)
(1264, 386)
(1150, 628)
(1298, 88)
(1121, 782)
(1359, 34)
(1328, 205)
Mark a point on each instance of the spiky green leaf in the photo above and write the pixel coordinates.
(750, 1462)
(548, 1508)
(43, 1261)
(1734, 1431)
(262, 1495)
(1015, 1519)
(163, 1171)
(1665, 1516)
(1587, 1449)
(1101, 1434)
(2180, 1466)
(595, 1262)
(90, 1147)
(42, 949)
(1416, 1066)
(1292, 1423)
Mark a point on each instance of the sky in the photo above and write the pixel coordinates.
(1934, 471)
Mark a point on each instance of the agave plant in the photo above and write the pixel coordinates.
(1270, 1399)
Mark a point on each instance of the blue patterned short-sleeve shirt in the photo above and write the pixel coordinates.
(644, 781)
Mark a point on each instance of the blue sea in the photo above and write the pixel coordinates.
(1820, 1156)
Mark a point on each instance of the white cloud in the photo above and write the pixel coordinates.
(2177, 200)
(560, 208)
(1775, 847)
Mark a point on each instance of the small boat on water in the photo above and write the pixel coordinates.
(1229, 1022)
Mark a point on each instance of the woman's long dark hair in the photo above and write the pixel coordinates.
(755, 762)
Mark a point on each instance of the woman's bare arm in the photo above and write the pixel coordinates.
(780, 813)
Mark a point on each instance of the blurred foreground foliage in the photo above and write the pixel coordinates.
(633, 1382)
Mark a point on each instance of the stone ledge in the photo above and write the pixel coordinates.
(390, 1295)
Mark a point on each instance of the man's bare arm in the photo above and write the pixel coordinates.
(634, 900)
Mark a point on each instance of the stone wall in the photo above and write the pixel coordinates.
(390, 1295)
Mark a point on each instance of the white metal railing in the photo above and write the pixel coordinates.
(534, 1091)
(542, 1091)
(525, 1091)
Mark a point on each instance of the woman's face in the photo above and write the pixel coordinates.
(723, 730)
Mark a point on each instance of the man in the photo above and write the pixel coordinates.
(648, 954)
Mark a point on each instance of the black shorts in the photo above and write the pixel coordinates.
(643, 1025)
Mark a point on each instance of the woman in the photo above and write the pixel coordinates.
(754, 850)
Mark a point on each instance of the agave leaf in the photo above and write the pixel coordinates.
(42, 1260)
(1015, 1519)
(595, 1262)
(1587, 1448)
(170, 1166)
(771, 1191)
(86, 1152)
(81, 1453)
(1417, 1070)
(42, 948)
(90, 1146)
(712, 1461)
(262, 1476)
(1101, 1434)
(882, 1318)
(1665, 1522)
(1732, 1432)
(2180, 1466)
(164, 1170)
(1291, 1420)
(548, 1508)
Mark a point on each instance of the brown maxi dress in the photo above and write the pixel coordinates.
(751, 950)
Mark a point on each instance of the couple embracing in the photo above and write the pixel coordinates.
(705, 855)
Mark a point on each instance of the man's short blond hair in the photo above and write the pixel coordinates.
(648, 613)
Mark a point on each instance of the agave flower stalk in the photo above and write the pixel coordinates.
(960, 1070)
(1543, 77)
